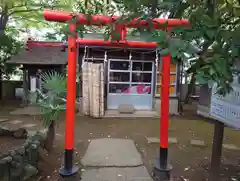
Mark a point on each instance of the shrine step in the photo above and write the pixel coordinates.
(137, 113)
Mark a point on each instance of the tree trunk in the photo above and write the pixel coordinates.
(3, 23)
(50, 137)
(1, 85)
(191, 87)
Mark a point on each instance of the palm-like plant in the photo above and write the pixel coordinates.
(51, 98)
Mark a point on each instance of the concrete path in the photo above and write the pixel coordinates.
(110, 159)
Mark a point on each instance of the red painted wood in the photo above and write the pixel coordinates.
(164, 109)
(101, 20)
(71, 88)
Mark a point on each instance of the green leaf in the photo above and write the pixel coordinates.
(174, 54)
(201, 79)
(161, 36)
(211, 71)
(164, 51)
(211, 34)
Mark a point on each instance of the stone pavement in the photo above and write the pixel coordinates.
(27, 111)
(17, 128)
(110, 159)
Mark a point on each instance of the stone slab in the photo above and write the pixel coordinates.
(199, 143)
(108, 152)
(136, 114)
(29, 125)
(153, 140)
(16, 125)
(11, 127)
(28, 111)
(126, 109)
(117, 174)
(171, 140)
(230, 147)
(3, 120)
(15, 122)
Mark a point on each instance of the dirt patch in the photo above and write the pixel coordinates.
(188, 162)
(9, 143)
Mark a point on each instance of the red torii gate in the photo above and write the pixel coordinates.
(162, 165)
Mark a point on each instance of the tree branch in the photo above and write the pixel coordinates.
(25, 11)
(32, 20)
(17, 6)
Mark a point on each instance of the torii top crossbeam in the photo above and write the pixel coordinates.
(57, 16)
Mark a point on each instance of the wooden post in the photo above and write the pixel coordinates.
(69, 168)
(216, 151)
(25, 87)
(162, 168)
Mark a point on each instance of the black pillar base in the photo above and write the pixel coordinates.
(161, 173)
(68, 172)
(68, 169)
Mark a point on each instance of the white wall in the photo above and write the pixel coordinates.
(173, 107)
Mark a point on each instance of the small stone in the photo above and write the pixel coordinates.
(184, 179)
(20, 133)
(197, 143)
(5, 160)
(31, 133)
(21, 150)
(109, 136)
(89, 140)
(30, 171)
(231, 147)
(36, 142)
(33, 146)
(43, 133)
(12, 152)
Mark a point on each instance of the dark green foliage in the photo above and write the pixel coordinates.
(52, 97)
(212, 40)
(9, 46)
